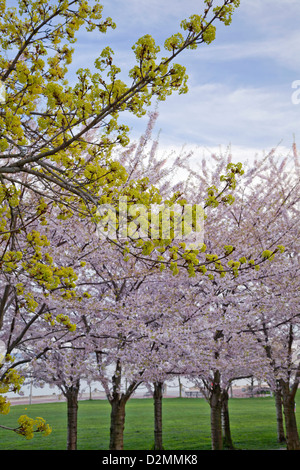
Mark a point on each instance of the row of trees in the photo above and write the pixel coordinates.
(137, 323)
(74, 305)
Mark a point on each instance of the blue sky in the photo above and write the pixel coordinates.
(240, 86)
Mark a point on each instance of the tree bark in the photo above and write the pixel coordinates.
(288, 397)
(72, 404)
(279, 415)
(117, 422)
(118, 401)
(157, 396)
(215, 413)
(227, 439)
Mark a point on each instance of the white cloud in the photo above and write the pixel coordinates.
(284, 50)
(250, 111)
(271, 15)
(215, 114)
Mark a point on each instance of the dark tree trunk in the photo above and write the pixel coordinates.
(72, 405)
(279, 415)
(118, 402)
(117, 422)
(227, 439)
(288, 398)
(157, 396)
(216, 413)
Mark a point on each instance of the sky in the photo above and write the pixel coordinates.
(241, 91)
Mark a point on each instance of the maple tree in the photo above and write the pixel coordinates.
(45, 122)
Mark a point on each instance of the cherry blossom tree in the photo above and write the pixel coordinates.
(265, 213)
(65, 367)
(28, 275)
(276, 329)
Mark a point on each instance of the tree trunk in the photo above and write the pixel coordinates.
(72, 404)
(288, 398)
(180, 387)
(215, 413)
(158, 394)
(118, 401)
(227, 439)
(117, 422)
(279, 415)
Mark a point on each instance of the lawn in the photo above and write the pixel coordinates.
(185, 420)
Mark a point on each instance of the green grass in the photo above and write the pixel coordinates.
(186, 425)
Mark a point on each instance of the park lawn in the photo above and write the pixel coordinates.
(186, 425)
